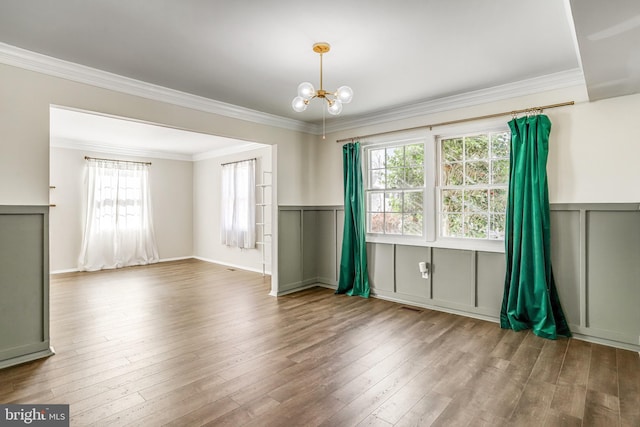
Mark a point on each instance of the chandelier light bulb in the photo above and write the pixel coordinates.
(335, 107)
(299, 104)
(306, 90)
(344, 94)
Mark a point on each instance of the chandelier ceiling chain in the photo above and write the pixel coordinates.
(306, 91)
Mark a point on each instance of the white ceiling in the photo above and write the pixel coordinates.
(393, 54)
(608, 34)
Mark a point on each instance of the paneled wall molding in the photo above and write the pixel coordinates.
(595, 250)
(24, 280)
(308, 256)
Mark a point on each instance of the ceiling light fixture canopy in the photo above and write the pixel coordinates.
(306, 91)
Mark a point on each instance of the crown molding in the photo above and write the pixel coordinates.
(22, 58)
(73, 144)
(29, 60)
(560, 80)
(239, 148)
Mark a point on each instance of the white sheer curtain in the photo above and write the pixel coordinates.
(119, 229)
(238, 214)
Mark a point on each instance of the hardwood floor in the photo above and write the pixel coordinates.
(190, 343)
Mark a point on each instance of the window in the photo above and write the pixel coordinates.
(474, 177)
(119, 228)
(395, 188)
(446, 189)
(238, 204)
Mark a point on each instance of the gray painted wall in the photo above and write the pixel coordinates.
(595, 253)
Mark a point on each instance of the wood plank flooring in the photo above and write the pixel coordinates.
(189, 343)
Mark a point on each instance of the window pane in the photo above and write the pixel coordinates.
(452, 174)
(376, 159)
(476, 173)
(395, 178)
(452, 225)
(376, 179)
(476, 226)
(414, 155)
(412, 224)
(399, 170)
(498, 200)
(452, 200)
(393, 223)
(476, 201)
(452, 150)
(376, 222)
(393, 202)
(376, 202)
(500, 172)
(413, 201)
(497, 226)
(500, 144)
(395, 157)
(415, 177)
(476, 147)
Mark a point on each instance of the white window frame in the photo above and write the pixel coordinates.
(468, 129)
(428, 199)
(431, 203)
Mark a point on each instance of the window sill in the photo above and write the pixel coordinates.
(442, 243)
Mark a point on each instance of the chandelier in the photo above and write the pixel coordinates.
(306, 91)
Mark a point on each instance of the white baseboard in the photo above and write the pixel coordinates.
(70, 270)
(180, 258)
(226, 264)
(18, 360)
(307, 284)
(75, 270)
(436, 308)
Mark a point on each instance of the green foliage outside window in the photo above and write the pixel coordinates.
(473, 191)
(395, 190)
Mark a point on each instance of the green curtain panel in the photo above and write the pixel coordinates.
(354, 278)
(530, 297)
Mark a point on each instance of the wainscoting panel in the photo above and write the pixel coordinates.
(24, 284)
(289, 250)
(380, 260)
(613, 273)
(321, 242)
(409, 280)
(453, 277)
(310, 244)
(490, 271)
(339, 231)
(566, 259)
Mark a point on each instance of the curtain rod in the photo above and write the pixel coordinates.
(237, 161)
(453, 122)
(117, 161)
